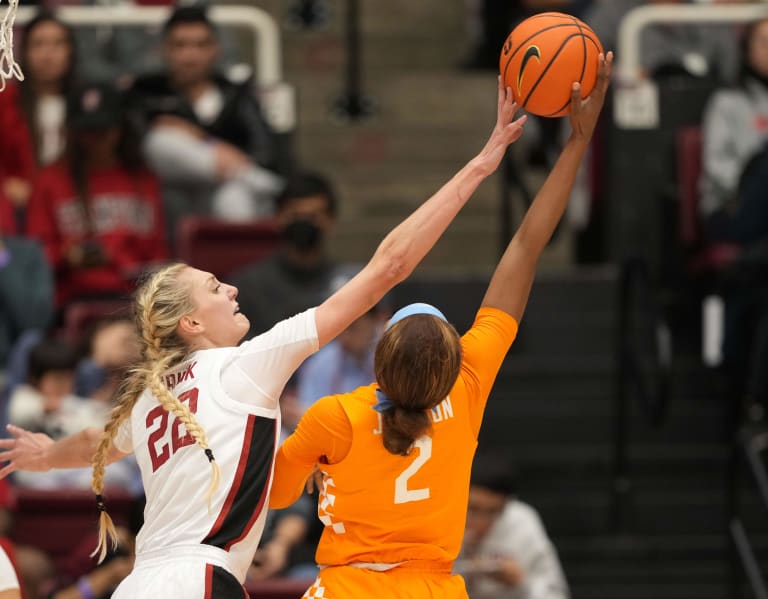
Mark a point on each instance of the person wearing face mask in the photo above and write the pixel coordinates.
(300, 273)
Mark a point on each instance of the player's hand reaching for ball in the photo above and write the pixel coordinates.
(584, 113)
(24, 451)
(504, 133)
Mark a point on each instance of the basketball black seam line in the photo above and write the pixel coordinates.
(528, 39)
(549, 64)
(582, 75)
(583, 59)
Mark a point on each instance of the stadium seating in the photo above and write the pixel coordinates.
(55, 521)
(702, 257)
(221, 247)
(80, 315)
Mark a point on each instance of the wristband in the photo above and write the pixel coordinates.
(85, 588)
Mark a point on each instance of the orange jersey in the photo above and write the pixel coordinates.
(383, 508)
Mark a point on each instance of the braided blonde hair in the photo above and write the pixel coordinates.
(159, 305)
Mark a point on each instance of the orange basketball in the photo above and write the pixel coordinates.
(543, 56)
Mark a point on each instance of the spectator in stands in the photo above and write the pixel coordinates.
(113, 346)
(97, 582)
(46, 402)
(300, 273)
(81, 578)
(206, 136)
(346, 363)
(733, 209)
(32, 111)
(98, 211)
(506, 551)
(671, 49)
(33, 566)
(26, 290)
(288, 546)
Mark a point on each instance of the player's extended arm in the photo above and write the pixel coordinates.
(37, 452)
(405, 246)
(511, 283)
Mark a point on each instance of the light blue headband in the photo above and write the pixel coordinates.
(383, 403)
(412, 309)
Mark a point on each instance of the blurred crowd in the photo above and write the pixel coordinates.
(96, 174)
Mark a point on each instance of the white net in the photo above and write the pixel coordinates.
(8, 66)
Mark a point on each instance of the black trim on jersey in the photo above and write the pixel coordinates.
(247, 497)
(220, 584)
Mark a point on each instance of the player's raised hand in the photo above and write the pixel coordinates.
(505, 132)
(24, 451)
(584, 113)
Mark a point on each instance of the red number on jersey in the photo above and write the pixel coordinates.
(162, 453)
(177, 441)
(158, 456)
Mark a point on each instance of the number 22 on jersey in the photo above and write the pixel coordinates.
(160, 446)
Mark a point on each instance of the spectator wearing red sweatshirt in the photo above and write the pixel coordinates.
(97, 211)
(33, 111)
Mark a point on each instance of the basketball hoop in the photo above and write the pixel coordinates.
(8, 66)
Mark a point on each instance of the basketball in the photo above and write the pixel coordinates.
(543, 56)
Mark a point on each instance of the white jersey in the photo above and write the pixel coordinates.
(8, 580)
(234, 395)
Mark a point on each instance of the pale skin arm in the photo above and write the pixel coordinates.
(10, 594)
(37, 452)
(511, 283)
(407, 244)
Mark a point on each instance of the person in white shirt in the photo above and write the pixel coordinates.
(9, 582)
(195, 387)
(506, 551)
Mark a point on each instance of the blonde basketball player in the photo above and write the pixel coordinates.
(396, 456)
(206, 504)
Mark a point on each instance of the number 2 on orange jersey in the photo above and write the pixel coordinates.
(402, 493)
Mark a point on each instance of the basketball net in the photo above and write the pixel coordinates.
(9, 68)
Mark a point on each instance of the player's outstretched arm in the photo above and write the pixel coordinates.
(511, 283)
(37, 452)
(406, 245)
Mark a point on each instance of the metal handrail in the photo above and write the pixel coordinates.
(630, 28)
(752, 444)
(748, 560)
(267, 58)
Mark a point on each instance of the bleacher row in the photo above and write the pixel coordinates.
(221, 247)
(217, 246)
(55, 521)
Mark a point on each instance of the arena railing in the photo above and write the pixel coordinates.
(636, 103)
(751, 444)
(277, 97)
(636, 106)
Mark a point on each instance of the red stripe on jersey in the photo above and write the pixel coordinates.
(254, 516)
(208, 581)
(238, 478)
